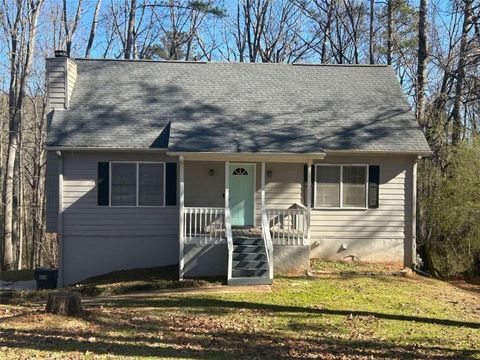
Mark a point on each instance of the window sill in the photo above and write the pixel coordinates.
(340, 208)
(139, 207)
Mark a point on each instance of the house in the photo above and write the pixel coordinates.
(231, 169)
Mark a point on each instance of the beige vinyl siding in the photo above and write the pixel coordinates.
(99, 239)
(370, 234)
(82, 215)
(202, 189)
(282, 190)
(56, 83)
(51, 178)
(71, 77)
(61, 77)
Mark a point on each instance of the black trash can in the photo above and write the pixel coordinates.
(46, 278)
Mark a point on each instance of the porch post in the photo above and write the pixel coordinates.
(227, 184)
(309, 198)
(263, 186)
(181, 244)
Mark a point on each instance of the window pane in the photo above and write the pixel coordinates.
(328, 186)
(124, 179)
(354, 184)
(150, 187)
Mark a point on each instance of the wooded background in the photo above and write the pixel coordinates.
(433, 47)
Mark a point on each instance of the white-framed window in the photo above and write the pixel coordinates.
(137, 183)
(341, 186)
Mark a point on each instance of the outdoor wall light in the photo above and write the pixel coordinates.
(269, 173)
(211, 172)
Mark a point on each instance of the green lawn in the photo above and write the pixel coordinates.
(330, 317)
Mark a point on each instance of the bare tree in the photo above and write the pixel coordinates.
(131, 28)
(389, 31)
(370, 43)
(20, 71)
(70, 27)
(93, 29)
(422, 61)
(459, 88)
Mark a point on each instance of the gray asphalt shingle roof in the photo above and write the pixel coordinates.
(232, 107)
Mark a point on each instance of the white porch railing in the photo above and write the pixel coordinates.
(204, 225)
(287, 226)
(267, 240)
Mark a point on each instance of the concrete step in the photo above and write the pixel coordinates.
(250, 264)
(249, 272)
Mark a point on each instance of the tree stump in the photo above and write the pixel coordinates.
(64, 303)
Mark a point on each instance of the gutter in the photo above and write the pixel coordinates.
(315, 155)
(318, 155)
(109, 149)
(379, 152)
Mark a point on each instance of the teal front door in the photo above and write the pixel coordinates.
(242, 189)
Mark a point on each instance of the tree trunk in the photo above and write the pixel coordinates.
(64, 303)
(370, 48)
(20, 201)
(131, 27)
(422, 62)
(8, 261)
(389, 31)
(326, 34)
(93, 29)
(459, 88)
(16, 113)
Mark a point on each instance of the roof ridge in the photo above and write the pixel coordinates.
(225, 62)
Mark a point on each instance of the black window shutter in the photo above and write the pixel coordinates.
(373, 186)
(171, 184)
(103, 183)
(305, 179)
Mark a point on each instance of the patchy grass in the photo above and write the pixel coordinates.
(17, 275)
(116, 283)
(352, 266)
(329, 317)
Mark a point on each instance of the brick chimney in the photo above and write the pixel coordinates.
(61, 76)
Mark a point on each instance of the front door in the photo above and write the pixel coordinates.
(242, 189)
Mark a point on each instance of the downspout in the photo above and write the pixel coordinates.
(60, 221)
(414, 214)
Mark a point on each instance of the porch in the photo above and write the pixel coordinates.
(246, 237)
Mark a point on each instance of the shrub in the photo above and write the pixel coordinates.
(452, 210)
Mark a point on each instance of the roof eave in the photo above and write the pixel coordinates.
(421, 153)
(109, 149)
